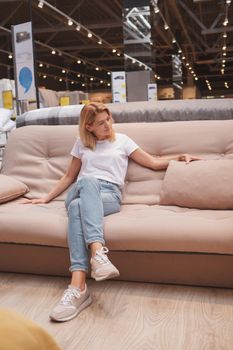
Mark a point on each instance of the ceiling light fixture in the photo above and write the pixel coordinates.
(166, 27)
(70, 22)
(78, 27)
(100, 42)
(89, 34)
(40, 4)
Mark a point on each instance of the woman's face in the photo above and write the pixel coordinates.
(102, 126)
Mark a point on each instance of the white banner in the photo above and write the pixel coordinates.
(118, 87)
(152, 92)
(24, 61)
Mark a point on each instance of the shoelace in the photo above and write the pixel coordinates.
(101, 256)
(68, 295)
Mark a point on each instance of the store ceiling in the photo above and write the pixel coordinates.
(196, 25)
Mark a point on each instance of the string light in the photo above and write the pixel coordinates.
(70, 22)
(40, 4)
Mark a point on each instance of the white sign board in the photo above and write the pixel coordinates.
(118, 87)
(24, 61)
(152, 92)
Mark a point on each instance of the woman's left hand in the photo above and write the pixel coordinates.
(187, 158)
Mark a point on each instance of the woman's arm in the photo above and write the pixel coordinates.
(62, 184)
(159, 163)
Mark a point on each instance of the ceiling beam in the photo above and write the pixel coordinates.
(216, 30)
(191, 14)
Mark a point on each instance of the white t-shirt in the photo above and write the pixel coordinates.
(109, 160)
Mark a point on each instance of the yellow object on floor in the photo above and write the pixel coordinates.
(19, 333)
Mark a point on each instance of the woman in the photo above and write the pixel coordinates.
(99, 163)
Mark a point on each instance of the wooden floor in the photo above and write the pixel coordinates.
(126, 315)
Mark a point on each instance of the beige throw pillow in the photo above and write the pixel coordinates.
(204, 184)
(11, 188)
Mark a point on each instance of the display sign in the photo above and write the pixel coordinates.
(152, 92)
(24, 61)
(118, 87)
(7, 97)
(64, 101)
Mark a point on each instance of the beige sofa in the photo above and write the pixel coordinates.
(148, 241)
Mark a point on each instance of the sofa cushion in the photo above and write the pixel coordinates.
(10, 188)
(137, 227)
(200, 184)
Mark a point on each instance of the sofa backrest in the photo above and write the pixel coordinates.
(131, 112)
(39, 155)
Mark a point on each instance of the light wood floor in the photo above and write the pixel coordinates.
(126, 315)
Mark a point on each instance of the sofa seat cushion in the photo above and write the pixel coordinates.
(136, 227)
(42, 224)
(170, 228)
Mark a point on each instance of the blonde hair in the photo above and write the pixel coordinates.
(87, 116)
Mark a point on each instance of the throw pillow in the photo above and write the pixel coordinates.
(203, 184)
(11, 188)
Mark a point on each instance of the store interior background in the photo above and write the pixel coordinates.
(184, 46)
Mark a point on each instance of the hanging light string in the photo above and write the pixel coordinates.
(81, 28)
(224, 41)
(185, 61)
(50, 48)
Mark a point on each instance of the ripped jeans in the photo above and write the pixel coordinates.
(87, 202)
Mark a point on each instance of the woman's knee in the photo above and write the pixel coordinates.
(73, 206)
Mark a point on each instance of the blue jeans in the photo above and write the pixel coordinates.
(87, 202)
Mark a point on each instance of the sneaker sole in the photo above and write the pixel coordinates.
(106, 277)
(84, 305)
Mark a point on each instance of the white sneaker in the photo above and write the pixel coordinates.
(101, 266)
(71, 304)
